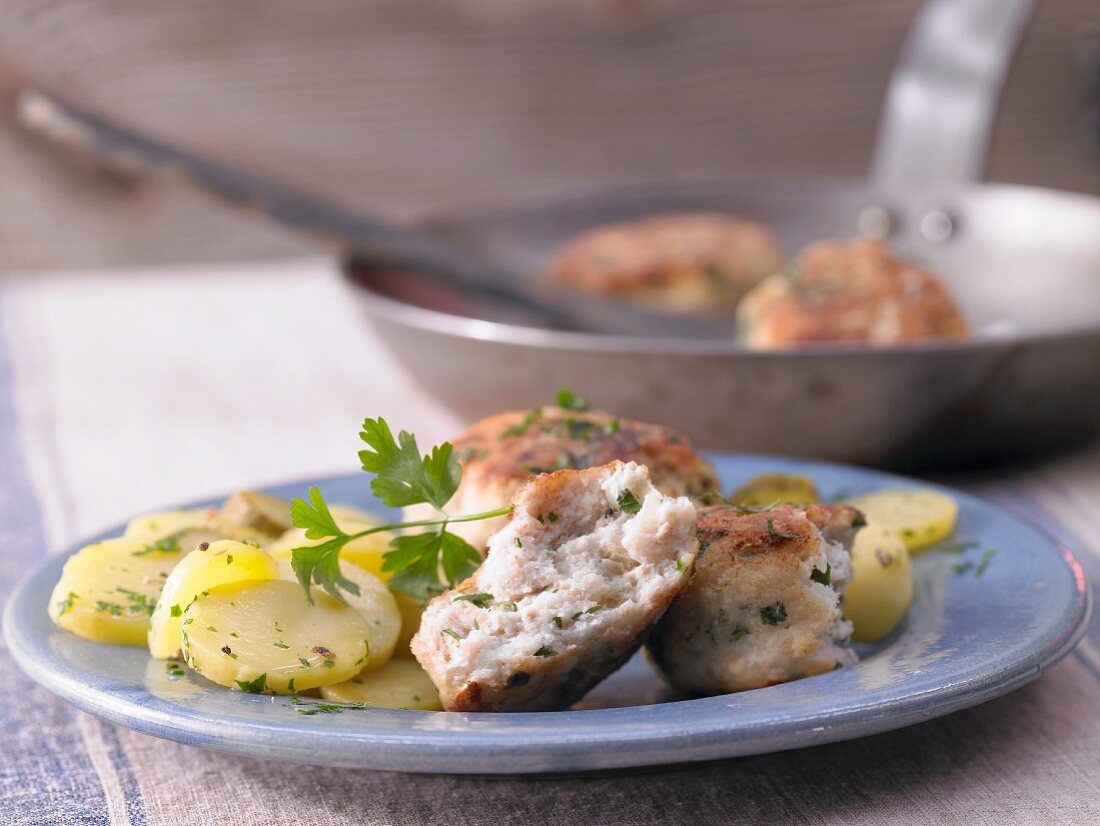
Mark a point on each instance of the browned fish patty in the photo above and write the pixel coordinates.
(849, 292)
(690, 263)
(763, 606)
(500, 453)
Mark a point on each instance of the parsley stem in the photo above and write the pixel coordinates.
(424, 523)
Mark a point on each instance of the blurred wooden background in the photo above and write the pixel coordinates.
(406, 106)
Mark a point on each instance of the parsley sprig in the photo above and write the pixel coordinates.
(402, 477)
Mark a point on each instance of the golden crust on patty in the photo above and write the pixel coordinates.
(763, 606)
(510, 447)
(500, 453)
(680, 263)
(849, 292)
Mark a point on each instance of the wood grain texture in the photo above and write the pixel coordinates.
(402, 106)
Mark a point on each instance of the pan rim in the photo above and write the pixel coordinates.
(382, 307)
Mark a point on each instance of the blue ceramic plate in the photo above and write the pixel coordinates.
(966, 640)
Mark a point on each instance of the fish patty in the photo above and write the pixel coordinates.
(685, 263)
(763, 606)
(587, 563)
(849, 292)
(499, 454)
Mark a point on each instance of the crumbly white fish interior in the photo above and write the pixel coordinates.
(764, 605)
(587, 563)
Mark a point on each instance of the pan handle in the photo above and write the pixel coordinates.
(944, 92)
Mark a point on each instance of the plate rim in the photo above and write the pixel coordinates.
(424, 750)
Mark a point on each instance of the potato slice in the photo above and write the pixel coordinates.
(218, 563)
(366, 552)
(411, 612)
(267, 515)
(376, 604)
(768, 488)
(399, 683)
(108, 590)
(163, 523)
(921, 517)
(263, 637)
(881, 590)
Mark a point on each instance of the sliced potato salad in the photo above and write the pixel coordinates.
(218, 591)
(215, 589)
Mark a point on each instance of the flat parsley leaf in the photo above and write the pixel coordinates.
(314, 516)
(321, 564)
(416, 562)
(404, 477)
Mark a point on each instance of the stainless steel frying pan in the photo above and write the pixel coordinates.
(1023, 262)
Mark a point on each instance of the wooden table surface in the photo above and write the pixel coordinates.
(402, 107)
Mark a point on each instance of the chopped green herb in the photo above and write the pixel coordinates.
(304, 662)
(738, 632)
(557, 621)
(773, 614)
(290, 686)
(519, 543)
(309, 709)
(229, 559)
(280, 644)
(450, 632)
(174, 669)
(169, 544)
(545, 651)
(529, 419)
(568, 400)
(552, 517)
(983, 563)
(480, 600)
(64, 606)
(780, 534)
(175, 610)
(255, 686)
(112, 608)
(611, 427)
(822, 577)
(628, 503)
